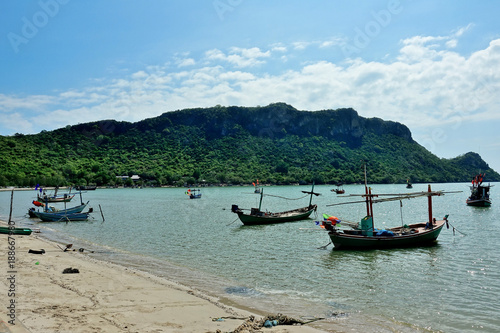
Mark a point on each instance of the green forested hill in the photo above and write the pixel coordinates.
(275, 144)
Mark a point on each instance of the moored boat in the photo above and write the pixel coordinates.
(480, 194)
(364, 235)
(63, 217)
(257, 217)
(55, 198)
(413, 235)
(256, 187)
(76, 209)
(339, 189)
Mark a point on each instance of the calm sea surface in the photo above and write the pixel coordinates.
(282, 268)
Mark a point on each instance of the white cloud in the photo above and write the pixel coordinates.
(16, 122)
(452, 43)
(279, 48)
(239, 57)
(427, 84)
(186, 62)
(139, 75)
(460, 31)
(33, 102)
(300, 45)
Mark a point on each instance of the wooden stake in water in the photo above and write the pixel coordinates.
(11, 200)
(101, 212)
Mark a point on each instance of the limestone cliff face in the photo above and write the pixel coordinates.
(279, 119)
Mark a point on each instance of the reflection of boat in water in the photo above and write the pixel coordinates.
(193, 194)
(480, 194)
(256, 216)
(364, 235)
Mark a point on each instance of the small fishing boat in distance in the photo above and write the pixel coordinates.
(256, 187)
(194, 194)
(480, 194)
(339, 189)
(86, 187)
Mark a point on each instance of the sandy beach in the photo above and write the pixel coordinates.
(103, 297)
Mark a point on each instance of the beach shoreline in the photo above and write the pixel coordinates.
(103, 296)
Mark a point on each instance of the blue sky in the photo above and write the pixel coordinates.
(431, 65)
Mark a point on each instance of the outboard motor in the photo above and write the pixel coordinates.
(234, 208)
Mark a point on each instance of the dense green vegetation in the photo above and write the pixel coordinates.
(275, 144)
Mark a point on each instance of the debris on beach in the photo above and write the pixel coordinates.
(253, 325)
(70, 270)
(69, 246)
(42, 251)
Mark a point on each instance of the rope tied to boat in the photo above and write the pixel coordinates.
(455, 229)
(277, 196)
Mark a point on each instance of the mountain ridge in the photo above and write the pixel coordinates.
(275, 143)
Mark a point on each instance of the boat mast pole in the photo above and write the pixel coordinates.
(261, 194)
(312, 191)
(371, 202)
(429, 201)
(367, 196)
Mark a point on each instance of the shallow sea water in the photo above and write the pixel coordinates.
(284, 268)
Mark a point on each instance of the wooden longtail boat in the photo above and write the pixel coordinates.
(257, 216)
(76, 209)
(364, 235)
(62, 217)
(56, 198)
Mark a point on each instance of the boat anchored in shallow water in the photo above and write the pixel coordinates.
(480, 194)
(257, 216)
(364, 235)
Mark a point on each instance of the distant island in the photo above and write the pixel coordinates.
(276, 144)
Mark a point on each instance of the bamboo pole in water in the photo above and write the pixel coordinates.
(101, 212)
(11, 200)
